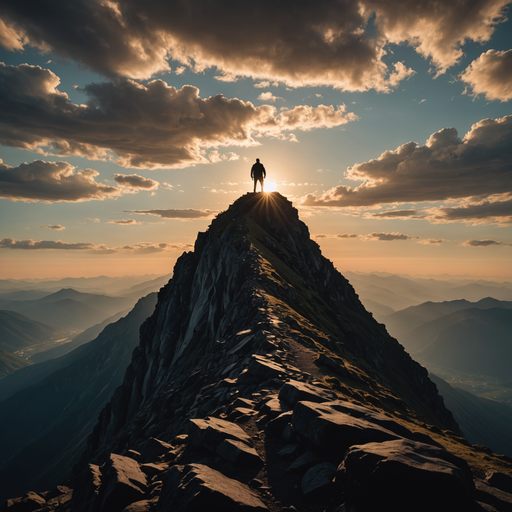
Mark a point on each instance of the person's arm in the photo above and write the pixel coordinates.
(264, 172)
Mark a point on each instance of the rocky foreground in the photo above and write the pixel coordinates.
(261, 383)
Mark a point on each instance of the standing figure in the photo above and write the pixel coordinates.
(258, 173)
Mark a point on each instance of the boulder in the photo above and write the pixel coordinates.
(29, 502)
(304, 462)
(197, 487)
(122, 483)
(87, 489)
(153, 449)
(317, 479)
(331, 431)
(493, 496)
(264, 368)
(404, 475)
(295, 391)
(140, 506)
(210, 432)
(238, 453)
(499, 480)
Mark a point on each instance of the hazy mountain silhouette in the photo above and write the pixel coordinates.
(471, 340)
(18, 331)
(70, 308)
(84, 337)
(48, 422)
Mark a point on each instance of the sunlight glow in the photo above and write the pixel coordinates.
(270, 186)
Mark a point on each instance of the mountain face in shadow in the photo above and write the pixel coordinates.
(44, 426)
(261, 383)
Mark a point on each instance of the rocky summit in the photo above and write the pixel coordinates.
(261, 383)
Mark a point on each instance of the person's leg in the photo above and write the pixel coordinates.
(255, 181)
(261, 184)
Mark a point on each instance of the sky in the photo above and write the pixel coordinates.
(125, 127)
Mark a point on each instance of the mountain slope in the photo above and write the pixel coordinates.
(18, 331)
(49, 422)
(9, 363)
(483, 421)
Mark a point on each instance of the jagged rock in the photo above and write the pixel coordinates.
(122, 483)
(404, 475)
(238, 452)
(331, 431)
(29, 502)
(272, 408)
(87, 489)
(493, 496)
(210, 432)
(277, 425)
(197, 487)
(499, 480)
(294, 391)
(141, 506)
(153, 449)
(151, 468)
(318, 478)
(264, 368)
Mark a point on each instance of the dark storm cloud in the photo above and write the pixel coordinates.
(324, 42)
(177, 214)
(480, 243)
(145, 126)
(490, 75)
(51, 181)
(135, 181)
(444, 168)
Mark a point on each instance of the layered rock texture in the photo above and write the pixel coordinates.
(261, 383)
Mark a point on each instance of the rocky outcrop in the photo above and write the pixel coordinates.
(260, 381)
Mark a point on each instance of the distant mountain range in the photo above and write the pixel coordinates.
(380, 293)
(70, 308)
(462, 335)
(61, 403)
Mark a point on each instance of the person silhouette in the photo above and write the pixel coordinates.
(258, 173)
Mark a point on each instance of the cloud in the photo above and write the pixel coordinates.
(437, 30)
(490, 75)
(446, 167)
(323, 43)
(486, 212)
(480, 243)
(395, 214)
(140, 126)
(32, 245)
(177, 214)
(43, 245)
(431, 241)
(124, 222)
(56, 227)
(135, 181)
(268, 96)
(52, 181)
(349, 235)
(389, 237)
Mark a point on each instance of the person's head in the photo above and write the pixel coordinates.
(258, 160)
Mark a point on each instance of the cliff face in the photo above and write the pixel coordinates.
(261, 383)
